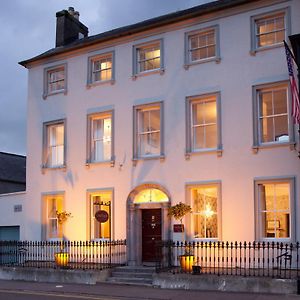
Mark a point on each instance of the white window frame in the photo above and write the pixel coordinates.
(136, 48)
(136, 149)
(90, 218)
(202, 31)
(258, 223)
(97, 57)
(257, 140)
(47, 72)
(45, 219)
(190, 219)
(269, 15)
(46, 127)
(90, 118)
(189, 124)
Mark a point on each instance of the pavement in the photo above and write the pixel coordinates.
(107, 291)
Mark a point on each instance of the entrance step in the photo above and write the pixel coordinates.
(132, 275)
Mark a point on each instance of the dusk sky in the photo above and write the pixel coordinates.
(28, 29)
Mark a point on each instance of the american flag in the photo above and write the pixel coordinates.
(294, 88)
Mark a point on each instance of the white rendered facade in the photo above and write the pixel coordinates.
(234, 163)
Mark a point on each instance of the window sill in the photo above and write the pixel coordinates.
(216, 59)
(254, 51)
(145, 158)
(97, 83)
(46, 168)
(64, 91)
(89, 164)
(160, 71)
(255, 148)
(219, 152)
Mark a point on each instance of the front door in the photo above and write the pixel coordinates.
(151, 233)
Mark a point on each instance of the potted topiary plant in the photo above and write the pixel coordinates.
(178, 211)
(62, 257)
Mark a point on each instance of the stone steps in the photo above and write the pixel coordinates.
(132, 275)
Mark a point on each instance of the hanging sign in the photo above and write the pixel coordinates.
(101, 216)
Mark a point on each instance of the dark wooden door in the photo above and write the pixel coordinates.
(151, 232)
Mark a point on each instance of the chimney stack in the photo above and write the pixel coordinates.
(68, 27)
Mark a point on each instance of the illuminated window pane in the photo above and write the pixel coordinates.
(102, 68)
(275, 209)
(202, 45)
(101, 138)
(205, 211)
(204, 123)
(148, 57)
(53, 205)
(101, 204)
(270, 30)
(148, 131)
(55, 145)
(273, 115)
(151, 195)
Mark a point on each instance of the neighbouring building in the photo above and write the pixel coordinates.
(192, 107)
(12, 173)
(12, 194)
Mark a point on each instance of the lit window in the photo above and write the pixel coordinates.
(148, 131)
(100, 210)
(274, 209)
(55, 80)
(202, 45)
(205, 215)
(148, 57)
(54, 143)
(100, 144)
(54, 204)
(150, 195)
(269, 30)
(203, 123)
(101, 68)
(271, 115)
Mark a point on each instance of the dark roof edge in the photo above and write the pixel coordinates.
(140, 26)
(13, 154)
(13, 181)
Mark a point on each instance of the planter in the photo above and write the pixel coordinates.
(186, 263)
(61, 259)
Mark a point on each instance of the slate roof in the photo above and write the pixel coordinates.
(12, 167)
(181, 15)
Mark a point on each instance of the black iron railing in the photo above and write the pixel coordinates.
(267, 259)
(65, 254)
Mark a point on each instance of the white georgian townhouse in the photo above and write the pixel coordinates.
(191, 107)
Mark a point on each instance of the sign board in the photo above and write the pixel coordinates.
(178, 228)
(101, 216)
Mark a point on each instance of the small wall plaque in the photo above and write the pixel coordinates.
(178, 228)
(18, 208)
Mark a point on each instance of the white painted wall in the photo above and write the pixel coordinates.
(8, 217)
(233, 77)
